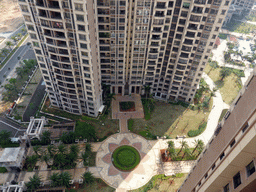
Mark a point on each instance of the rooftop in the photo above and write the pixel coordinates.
(10, 154)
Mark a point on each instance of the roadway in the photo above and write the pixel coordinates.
(13, 61)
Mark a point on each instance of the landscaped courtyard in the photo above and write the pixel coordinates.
(169, 120)
(228, 87)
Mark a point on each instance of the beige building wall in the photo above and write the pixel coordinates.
(65, 39)
(228, 161)
(82, 44)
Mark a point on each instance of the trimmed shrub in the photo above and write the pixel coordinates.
(130, 124)
(3, 170)
(201, 128)
(125, 158)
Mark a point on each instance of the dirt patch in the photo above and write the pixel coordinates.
(11, 17)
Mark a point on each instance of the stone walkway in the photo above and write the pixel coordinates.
(127, 180)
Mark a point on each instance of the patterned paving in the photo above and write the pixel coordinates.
(126, 180)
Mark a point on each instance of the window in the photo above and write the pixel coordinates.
(226, 188)
(33, 36)
(81, 27)
(250, 169)
(30, 27)
(80, 17)
(213, 166)
(237, 180)
(84, 46)
(79, 7)
(232, 143)
(223, 12)
(244, 128)
(82, 37)
(222, 155)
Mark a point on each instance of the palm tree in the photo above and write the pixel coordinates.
(14, 38)
(172, 153)
(186, 152)
(147, 89)
(88, 177)
(85, 157)
(19, 35)
(23, 30)
(224, 72)
(88, 148)
(37, 150)
(74, 149)
(31, 161)
(183, 145)
(46, 158)
(9, 44)
(55, 180)
(5, 135)
(198, 143)
(51, 150)
(34, 183)
(65, 178)
(5, 51)
(171, 144)
(62, 149)
(45, 139)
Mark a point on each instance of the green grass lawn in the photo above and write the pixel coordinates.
(161, 183)
(126, 158)
(228, 88)
(104, 125)
(224, 111)
(98, 186)
(170, 120)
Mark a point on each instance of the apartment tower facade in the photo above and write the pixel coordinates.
(228, 162)
(82, 44)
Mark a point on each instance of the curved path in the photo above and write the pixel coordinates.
(150, 164)
(132, 179)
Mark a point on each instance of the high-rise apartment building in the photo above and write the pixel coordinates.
(228, 162)
(127, 44)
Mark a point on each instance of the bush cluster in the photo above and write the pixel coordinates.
(3, 170)
(201, 128)
(132, 155)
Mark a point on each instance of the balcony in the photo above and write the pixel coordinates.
(190, 34)
(57, 25)
(192, 26)
(103, 12)
(61, 44)
(201, 2)
(54, 4)
(55, 15)
(63, 52)
(160, 5)
(159, 14)
(197, 10)
(38, 2)
(155, 37)
(184, 55)
(195, 18)
(104, 35)
(60, 35)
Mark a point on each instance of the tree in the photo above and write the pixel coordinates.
(186, 152)
(14, 38)
(31, 161)
(51, 150)
(46, 158)
(62, 149)
(65, 178)
(61, 179)
(34, 183)
(199, 144)
(37, 150)
(5, 51)
(24, 30)
(55, 180)
(183, 145)
(147, 89)
(9, 44)
(224, 72)
(68, 137)
(5, 135)
(46, 138)
(19, 35)
(172, 153)
(88, 177)
(20, 71)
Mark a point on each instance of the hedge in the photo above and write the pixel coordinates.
(201, 128)
(129, 165)
(3, 170)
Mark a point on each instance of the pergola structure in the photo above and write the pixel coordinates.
(8, 187)
(35, 127)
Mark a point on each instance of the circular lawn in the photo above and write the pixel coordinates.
(125, 158)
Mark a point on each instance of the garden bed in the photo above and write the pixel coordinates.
(125, 158)
(127, 106)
